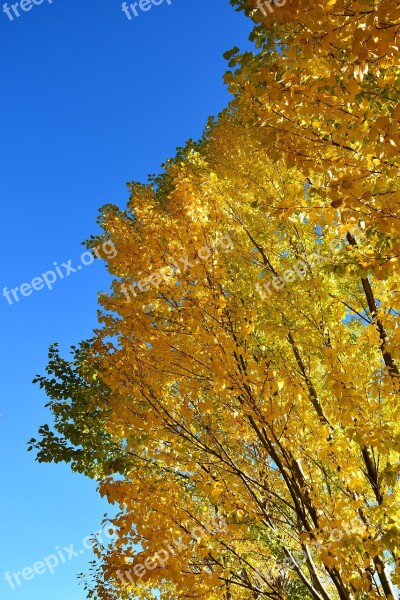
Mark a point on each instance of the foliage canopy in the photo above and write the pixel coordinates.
(256, 380)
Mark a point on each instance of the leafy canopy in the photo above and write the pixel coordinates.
(257, 379)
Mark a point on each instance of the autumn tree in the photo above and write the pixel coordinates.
(243, 382)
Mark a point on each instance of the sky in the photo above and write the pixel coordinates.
(91, 100)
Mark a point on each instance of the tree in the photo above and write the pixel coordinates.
(239, 402)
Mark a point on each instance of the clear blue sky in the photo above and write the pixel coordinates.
(90, 100)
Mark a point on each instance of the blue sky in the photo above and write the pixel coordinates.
(90, 101)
